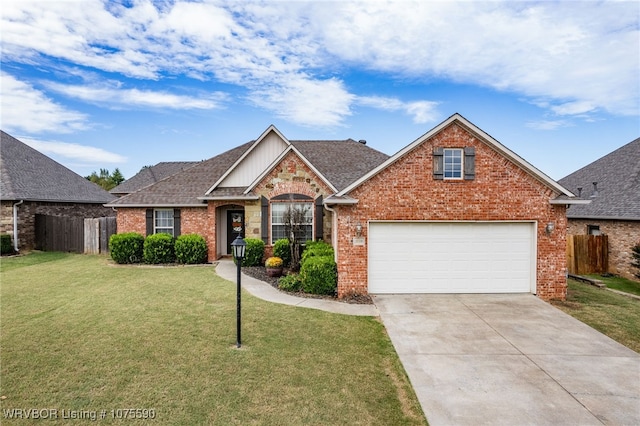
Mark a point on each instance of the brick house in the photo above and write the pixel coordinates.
(455, 211)
(612, 183)
(32, 183)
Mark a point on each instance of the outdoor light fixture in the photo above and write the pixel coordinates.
(358, 230)
(549, 228)
(238, 246)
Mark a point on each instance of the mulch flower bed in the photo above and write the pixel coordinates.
(260, 273)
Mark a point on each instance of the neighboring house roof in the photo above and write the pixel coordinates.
(150, 175)
(339, 162)
(27, 174)
(617, 175)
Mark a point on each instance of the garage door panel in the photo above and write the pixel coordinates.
(454, 257)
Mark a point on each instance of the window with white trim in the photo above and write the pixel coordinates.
(163, 221)
(279, 212)
(453, 163)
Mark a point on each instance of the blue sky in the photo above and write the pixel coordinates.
(126, 84)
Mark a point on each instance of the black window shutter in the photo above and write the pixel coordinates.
(469, 163)
(264, 218)
(149, 222)
(176, 222)
(438, 163)
(318, 218)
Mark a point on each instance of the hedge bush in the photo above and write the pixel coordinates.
(291, 282)
(254, 252)
(126, 247)
(319, 275)
(316, 248)
(190, 249)
(282, 250)
(6, 246)
(159, 248)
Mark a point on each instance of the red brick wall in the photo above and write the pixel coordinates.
(406, 190)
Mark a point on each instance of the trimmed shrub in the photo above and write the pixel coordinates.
(282, 250)
(319, 275)
(159, 248)
(291, 282)
(190, 249)
(315, 249)
(254, 252)
(6, 246)
(126, 247)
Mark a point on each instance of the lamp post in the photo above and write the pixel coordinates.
(238, 246)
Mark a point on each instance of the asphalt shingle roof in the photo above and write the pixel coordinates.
(341, 162)
(618, 182)
(184, 188)
(27, 174)
(150, 175)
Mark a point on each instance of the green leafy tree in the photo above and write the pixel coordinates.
(105, 179)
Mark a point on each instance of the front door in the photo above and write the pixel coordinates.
(235, 226)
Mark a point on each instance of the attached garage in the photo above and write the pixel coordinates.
(452, 257)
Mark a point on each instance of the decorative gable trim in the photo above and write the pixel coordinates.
(264, 134)
(281, 157)
(491, 142)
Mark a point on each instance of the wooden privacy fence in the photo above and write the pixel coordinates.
(74, 234)
(587, 254)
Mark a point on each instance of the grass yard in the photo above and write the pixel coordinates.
(612, 314)
(78, 334)
(619, 283)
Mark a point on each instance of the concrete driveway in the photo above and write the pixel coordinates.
(509, 360)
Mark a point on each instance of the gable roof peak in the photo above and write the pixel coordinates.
(482, 135)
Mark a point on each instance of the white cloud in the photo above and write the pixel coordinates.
(578, 53)
(112, 94)
(28, 109)
(308, 102)
(421, 111)
(75, 152)
(548, 124)
(576, 57)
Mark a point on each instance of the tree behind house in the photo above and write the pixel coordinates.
(105, 179)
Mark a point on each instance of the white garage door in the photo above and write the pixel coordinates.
(451, 257)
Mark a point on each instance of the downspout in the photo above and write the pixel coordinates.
(334, 232)
(15, 225)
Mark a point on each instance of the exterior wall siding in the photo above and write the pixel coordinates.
(406, 190)
(27, 217)
(623, 235)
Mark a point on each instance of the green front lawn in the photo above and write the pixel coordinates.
(612, 314)
(619, 283)
(80, 334)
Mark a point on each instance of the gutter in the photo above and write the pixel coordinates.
(15, 225)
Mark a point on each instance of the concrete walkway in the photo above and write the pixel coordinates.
(228, 270)
(509, 360)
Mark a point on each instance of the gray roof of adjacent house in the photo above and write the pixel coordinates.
(617, 177)
(27, 174)
(340, 162)
(150, 175)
